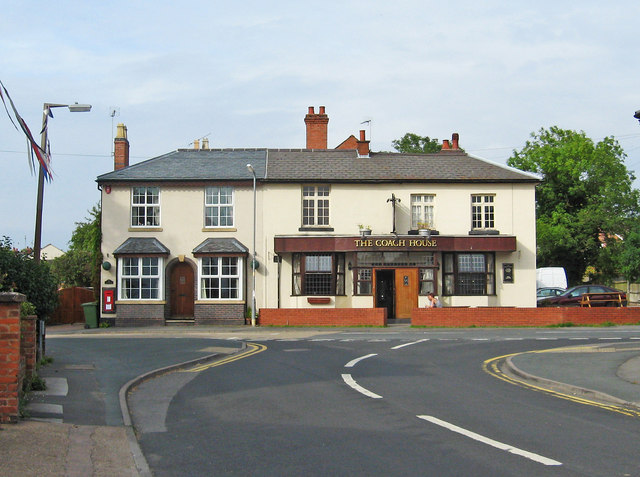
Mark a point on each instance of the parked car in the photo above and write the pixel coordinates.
(603, 296)
(546, 292)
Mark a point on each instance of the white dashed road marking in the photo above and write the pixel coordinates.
(485, 440)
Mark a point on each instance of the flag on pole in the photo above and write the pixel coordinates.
(44, 158)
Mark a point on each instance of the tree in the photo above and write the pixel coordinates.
(585, 200)
(20, 273)
(412, 143)
(80, 266)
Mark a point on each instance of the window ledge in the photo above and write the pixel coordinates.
(140, 302)
(219, 229)
(316, 229)
(212, 301)
(145, 229)
(484, 232)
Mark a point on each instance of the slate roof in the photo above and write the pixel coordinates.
(194, 164)
(346, 166)
(220, 245)
(305, 165)
(140, 245)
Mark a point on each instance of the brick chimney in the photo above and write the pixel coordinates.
(121, 148)
(363, 145)
(316, 128)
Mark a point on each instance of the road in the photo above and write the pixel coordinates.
(88, 371)
(381, 403)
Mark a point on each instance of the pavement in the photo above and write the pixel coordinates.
(607, 373)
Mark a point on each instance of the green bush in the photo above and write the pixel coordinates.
(27, 309)
(20, 273)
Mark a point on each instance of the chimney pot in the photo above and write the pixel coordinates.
(321, 109)
(122, 131)
(205, 143)
(445, 144)
(455, 137)
(311, 110)
(196, 144)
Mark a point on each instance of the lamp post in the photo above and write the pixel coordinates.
(74, 108)
(253, 261)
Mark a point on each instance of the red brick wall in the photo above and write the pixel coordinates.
(489, 316)
(323, 317)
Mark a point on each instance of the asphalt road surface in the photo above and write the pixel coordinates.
(390, 404)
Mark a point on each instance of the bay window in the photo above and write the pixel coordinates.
(140, 278)
(220, 278)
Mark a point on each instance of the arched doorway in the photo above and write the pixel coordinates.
(182, 291)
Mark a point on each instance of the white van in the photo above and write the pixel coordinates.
(551, 277)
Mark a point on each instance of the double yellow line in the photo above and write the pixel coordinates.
(492, 367)
(252, 348)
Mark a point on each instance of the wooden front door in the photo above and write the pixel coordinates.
(182, 291)
(407, 286)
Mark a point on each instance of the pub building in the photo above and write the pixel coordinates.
(334, 228)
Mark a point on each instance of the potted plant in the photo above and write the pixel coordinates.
(424, 228)
(364, 229)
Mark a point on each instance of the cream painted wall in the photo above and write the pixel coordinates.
(279, 213)
(353, 204)
(181, 223)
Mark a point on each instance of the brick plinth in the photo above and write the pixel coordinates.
(140, 315)
(219, 314)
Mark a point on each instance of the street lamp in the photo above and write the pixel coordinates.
(74, 108)
(253, 262)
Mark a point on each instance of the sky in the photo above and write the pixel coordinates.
(243, 74)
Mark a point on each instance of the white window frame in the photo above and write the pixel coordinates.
(483, 211)
(143, 262)
(423, 210)
(316, 198)
(214, 202)
(150, 208)
(238, 276)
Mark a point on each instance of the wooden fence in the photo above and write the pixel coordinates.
(70, 305)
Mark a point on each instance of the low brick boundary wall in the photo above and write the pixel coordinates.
(323, 317)
(17, 354)
(503, 316)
